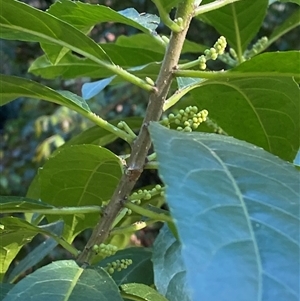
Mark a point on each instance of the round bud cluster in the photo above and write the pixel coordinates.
(220, 45)
(188, 119)
(213, 52)
(145, 194)
(256, 48)
(105, 250)
(118, 265)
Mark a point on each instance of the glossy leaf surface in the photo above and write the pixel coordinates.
(65, 280)
(236, 210)
(89, 177)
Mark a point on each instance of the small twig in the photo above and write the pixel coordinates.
(202, 9)
(148, 213)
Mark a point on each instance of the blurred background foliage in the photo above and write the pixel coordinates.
(30, 130)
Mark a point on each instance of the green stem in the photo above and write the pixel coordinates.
(127, 129)
(66, 246)
(238, 38)
(129, 77)
(229, 74)
(108, 126)
(166, 18)
(58, 211)
(202, 9)
(151, 165)
(147, 213)
(151, 157)
(132, 228)
(189, 64)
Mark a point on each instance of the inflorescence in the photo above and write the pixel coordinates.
(186, 120)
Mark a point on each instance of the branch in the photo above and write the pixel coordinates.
(57, 210)
(142, 143)
(212, 6)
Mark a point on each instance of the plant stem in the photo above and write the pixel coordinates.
(57, 211)
(142, 143)
(148, 213)
(202, 9)
(66, 246)
(108, 126)
(230, 74)
(165, 17)
(132, 228)
(151, 165)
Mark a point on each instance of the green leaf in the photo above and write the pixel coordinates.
(41, 251)
(70, 66)
(236, 210)
(248, 102)
(169, 270)
(88, 177)
(4, 289)
(11, 241)
(30, 24)
(85, 15)
(146, 42)
(13, 87)
(239, 22)
(14, 233)
(140, 271)
(65, 280)
(10, 204)
(141, 291)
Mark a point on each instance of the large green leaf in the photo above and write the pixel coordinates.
(79, 175)
(36, 255)
(4, 289)
(11, 241)
(84, 16)
(236, 210)
(144, 41)
(65, 280)
(71, 66)
(138, 291)
(239, 22)
(169, 270)
(14, 233)
(9, 204)
(140, 271)
(19, 21)
(258, 101)
(13, 87)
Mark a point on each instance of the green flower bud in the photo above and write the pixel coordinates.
(149, 81)
(158, 187)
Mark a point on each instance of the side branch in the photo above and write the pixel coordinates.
(142, 143)
(202, 9)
